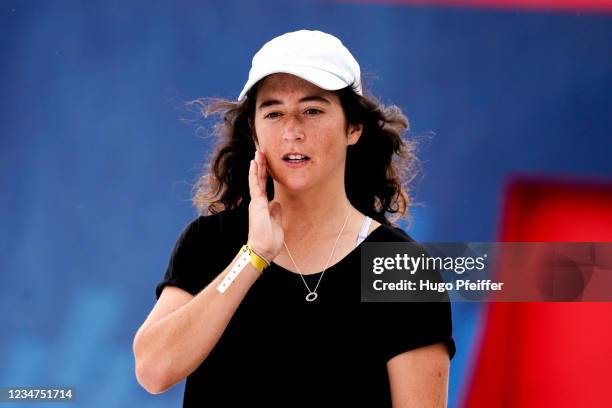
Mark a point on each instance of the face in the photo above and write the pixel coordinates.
(302, 131)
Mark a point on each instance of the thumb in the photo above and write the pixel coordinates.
(276, 212)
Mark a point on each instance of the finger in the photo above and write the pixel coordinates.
(254, 189)
(263, 174)
(259, 167)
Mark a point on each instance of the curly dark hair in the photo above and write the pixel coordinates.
(379, 167)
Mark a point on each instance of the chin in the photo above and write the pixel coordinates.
(295, 184)
(296, 187)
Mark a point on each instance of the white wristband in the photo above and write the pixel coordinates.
(242, 261)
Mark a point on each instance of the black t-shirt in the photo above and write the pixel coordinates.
(330, 352)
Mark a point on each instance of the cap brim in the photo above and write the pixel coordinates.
(321, 78)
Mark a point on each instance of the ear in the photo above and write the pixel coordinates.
(354, 133)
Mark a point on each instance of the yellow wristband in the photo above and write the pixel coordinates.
(257, 261)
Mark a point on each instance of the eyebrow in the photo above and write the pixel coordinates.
(311, 98)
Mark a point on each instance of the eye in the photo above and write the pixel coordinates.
(271, 115)
(313, 111)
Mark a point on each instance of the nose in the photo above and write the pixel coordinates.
(293, 129)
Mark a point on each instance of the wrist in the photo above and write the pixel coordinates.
(266, 255)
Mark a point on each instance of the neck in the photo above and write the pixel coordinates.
(313, 213)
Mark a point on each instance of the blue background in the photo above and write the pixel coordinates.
(98, 154)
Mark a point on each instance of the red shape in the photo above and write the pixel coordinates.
(530, 5)
(548, 354)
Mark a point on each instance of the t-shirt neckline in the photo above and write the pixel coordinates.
(340, 262)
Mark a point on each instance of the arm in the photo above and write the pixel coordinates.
(419, 377)
(182, 329)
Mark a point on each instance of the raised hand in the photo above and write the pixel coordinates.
(265, 218)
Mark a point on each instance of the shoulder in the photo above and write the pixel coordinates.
(205, 246)
(232, 220)
(389, 233)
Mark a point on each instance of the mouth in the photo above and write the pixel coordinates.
(295, 158)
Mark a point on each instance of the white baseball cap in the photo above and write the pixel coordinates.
(315, 56)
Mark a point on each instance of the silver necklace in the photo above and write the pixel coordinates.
(312, 294)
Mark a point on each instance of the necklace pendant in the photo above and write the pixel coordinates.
(311, 297)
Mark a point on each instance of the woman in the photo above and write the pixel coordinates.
(278, 321)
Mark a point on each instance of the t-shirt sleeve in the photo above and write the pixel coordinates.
(410, 325)
(413, 324)
(186, 264)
